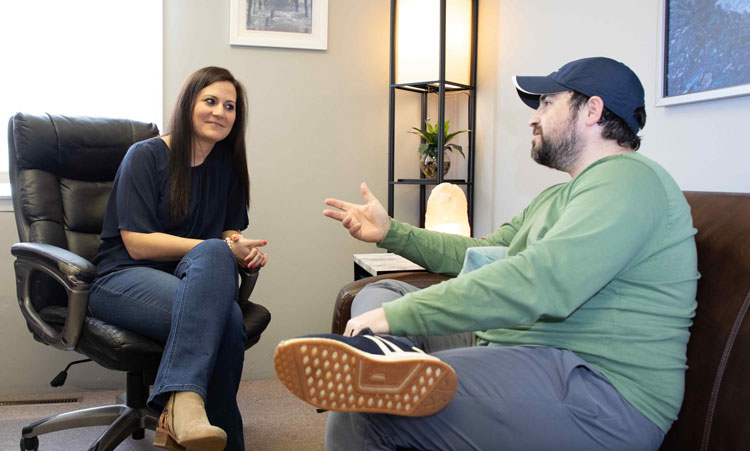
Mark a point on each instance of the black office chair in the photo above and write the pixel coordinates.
(61, 172)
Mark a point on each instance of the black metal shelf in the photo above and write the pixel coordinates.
(432, 86)
(428, 182)
(439, 88)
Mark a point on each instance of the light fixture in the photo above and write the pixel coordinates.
(447, 210)
(418, 41)
(433, 52)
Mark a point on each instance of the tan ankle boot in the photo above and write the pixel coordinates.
(183, 425)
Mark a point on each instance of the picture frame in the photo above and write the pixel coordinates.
(300, 24)
(701, 56)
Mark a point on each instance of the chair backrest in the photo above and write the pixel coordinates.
(717, 389)
(61, 172)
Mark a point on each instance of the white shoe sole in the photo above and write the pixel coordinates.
(332, 375)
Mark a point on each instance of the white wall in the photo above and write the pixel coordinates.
(702, 145)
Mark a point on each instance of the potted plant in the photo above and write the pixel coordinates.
(428, 149)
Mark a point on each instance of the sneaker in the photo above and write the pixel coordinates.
(365, 373)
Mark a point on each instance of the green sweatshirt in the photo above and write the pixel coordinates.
(604, 266)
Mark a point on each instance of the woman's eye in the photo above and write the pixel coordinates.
(229, 107)
(210, 101)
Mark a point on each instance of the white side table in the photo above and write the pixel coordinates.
(366, 265)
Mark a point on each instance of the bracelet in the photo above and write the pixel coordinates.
(228, 241)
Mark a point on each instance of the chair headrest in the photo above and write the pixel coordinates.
(72, 146)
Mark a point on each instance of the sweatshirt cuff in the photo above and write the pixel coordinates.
(396, 237)
(403, 317)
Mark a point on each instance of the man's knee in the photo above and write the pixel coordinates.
(396, 286)
(375, 294)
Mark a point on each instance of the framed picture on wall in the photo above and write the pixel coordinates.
(301, 24)
(704, 51)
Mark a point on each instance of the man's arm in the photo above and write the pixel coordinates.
(441, 252)
(602, 230)
(438, 252)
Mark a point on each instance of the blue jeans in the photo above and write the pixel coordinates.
(515, 398)
(195, 312)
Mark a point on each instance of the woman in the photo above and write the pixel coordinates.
(167, 265)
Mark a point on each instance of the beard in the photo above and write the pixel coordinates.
(559, 150)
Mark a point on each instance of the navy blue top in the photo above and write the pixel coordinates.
(140, 202)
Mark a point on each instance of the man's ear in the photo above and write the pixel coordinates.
(593, 110)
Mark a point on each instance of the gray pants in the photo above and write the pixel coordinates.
(508, 398)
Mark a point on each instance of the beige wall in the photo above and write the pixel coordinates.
(316, 130)
(27, 366)
(698, 143)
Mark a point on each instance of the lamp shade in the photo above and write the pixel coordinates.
(447, 210)
(418, 41)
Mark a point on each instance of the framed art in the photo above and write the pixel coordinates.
(704, 50)
(301, 24)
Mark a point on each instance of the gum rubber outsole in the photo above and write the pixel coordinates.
(162, 439)
(332, 375)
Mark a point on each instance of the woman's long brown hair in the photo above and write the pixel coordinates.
(181, 132)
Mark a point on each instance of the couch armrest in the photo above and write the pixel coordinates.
(342, 310)
(71, 271)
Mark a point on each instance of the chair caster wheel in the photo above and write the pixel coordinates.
(29, 444)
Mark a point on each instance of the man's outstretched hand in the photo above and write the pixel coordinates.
(367, 222)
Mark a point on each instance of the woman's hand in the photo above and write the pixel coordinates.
(374, 319)
(247, 251)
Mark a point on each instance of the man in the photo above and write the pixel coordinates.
(583, 326)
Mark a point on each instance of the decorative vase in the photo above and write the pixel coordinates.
(429, 166)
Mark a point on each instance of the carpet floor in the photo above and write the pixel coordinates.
(275, 420)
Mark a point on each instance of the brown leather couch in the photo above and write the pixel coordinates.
(717, 390)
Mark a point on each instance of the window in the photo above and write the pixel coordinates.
(80, 57)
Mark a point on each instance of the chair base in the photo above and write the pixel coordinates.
(129, 417)
(123, 421)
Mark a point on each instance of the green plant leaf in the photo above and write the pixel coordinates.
(430, 137)
(458, 148)
(449, 137)
(424, 135)
(418, 131)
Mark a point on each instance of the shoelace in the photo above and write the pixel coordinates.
(384, 344)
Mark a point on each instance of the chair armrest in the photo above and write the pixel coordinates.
(71, 271)
(255, 316)
(72, 267)
(342, 310)
(248, 278)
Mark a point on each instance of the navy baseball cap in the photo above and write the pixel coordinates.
(617, 85)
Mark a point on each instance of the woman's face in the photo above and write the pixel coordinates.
(214, 112)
